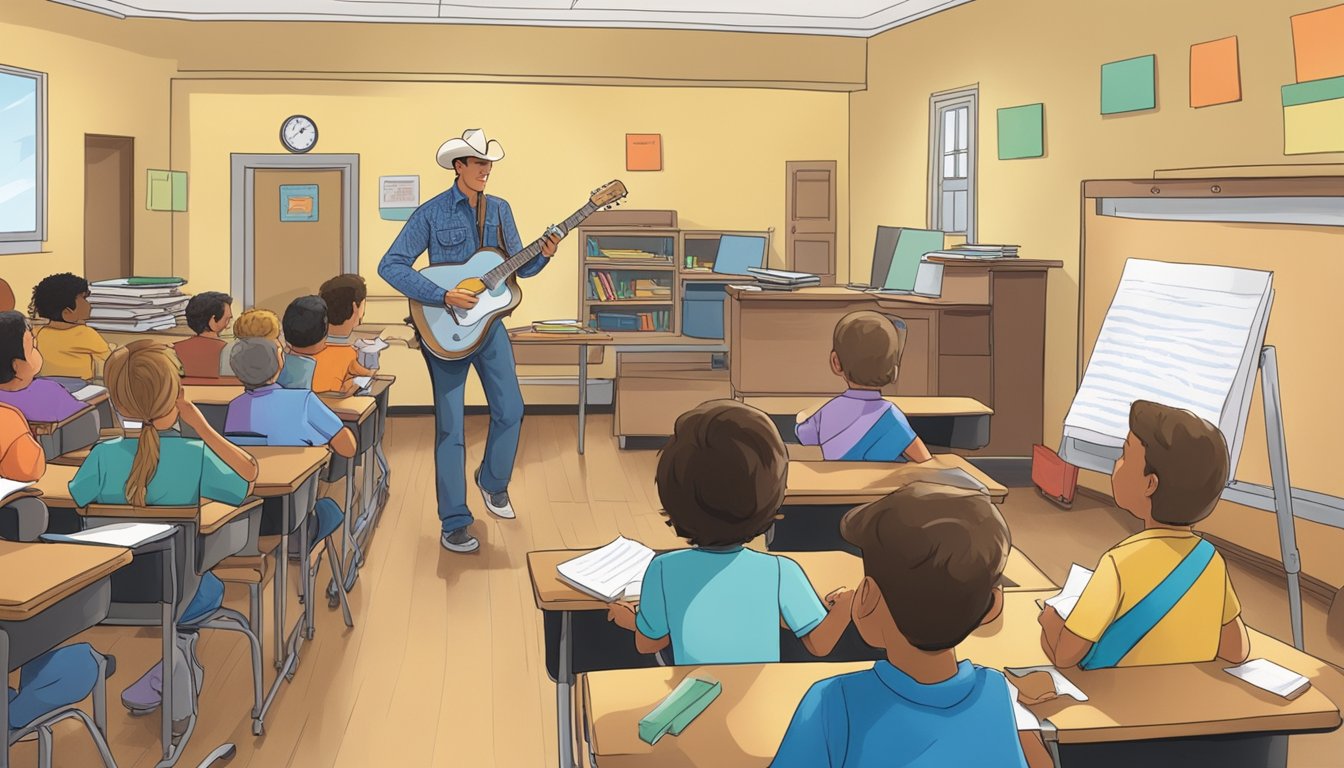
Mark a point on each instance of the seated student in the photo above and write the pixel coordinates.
(6, 296)
(860, 425)
(39, 400)
(338, 363)
(278, 416)
(159, 467)
(932, 556)
(71, 348)
(1163, 595)
(208, 314)
(66, 675)
(305, 328)
(721, 480)
(252, 324)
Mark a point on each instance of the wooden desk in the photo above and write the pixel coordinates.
(984, 339)
(34, 576)
(282, 470)
(951, 422)
(525, 337)
(859, 482)
(55, 486)
(1196, 700)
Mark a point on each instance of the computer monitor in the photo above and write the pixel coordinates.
(909, 250)
(739, 252)
(884, 247)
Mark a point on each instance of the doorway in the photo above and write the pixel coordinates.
(109, 219)
(295, 224)
(810, 205)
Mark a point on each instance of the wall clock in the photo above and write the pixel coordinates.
(298, 133)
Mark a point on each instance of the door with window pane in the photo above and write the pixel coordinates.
(952, 163)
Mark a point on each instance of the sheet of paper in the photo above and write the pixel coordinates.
(8, 486)
(1265, 674)
(1063, 685)
(1074, 585)
(1026, 721)
(89, 392)
(119, 534)
(376, 344)
(363, 382)
(610, 571)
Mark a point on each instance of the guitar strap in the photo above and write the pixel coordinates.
(480, 219)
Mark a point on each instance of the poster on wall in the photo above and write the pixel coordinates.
(298, 202)
(643, 152)
(398, 197)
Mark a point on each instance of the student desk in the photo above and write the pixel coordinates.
(358, 412)
(949, 422)
(1176, 715)
(79, 430)
(825, 570)
(48, 594)
(526, 337)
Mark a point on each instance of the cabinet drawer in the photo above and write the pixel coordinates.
(964, 332)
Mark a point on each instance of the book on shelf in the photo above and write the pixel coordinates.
(630, 254)
(608, 573)
(652, 320)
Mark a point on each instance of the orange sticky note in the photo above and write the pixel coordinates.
(1318, 43)
(1215, 77)
(300, 205)
(643, 152)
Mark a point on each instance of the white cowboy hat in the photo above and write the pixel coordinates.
(472, 144)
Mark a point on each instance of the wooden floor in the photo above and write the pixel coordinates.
(445, 664)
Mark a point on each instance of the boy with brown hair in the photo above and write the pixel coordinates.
(860, 425)
(721, 480)
(932, 558)
(338, 363)
(1163, 595)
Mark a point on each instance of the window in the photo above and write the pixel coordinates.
(23, 160)
(952, 152)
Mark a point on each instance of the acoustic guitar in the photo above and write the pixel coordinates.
(452, 333)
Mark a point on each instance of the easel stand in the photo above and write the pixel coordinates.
(1281, 487)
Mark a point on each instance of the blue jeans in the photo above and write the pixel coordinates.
(499, 378)
(53, 680)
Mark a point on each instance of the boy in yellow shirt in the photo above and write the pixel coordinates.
(71, 348)
(1163, 595)
(338, 362)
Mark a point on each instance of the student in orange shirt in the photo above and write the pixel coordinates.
(338, 364)
(21, 457)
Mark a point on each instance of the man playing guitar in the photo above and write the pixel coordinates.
(452, 228)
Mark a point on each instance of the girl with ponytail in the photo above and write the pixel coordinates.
(157, 466)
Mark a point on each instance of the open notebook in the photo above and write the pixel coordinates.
(609, 573)
(1184, 335)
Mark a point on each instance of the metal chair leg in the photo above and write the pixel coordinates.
(340, 593)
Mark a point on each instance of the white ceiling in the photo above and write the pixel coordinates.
(854, 18)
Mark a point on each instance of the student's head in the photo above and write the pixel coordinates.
(63, 298)
(865, 349)
(211, 312)
(6, 296)
(932, 558)
(305, 322)
(256, 362)
(257, 324)
(19, 359)
(1173, 468)
(721, 476)
(144, 383)
(344, 296)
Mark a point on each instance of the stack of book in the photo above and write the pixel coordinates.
(780, 280)
(971, 251)
(619, 286)
(653, 320)
(558, 326)
(137, 304)
(630, 254)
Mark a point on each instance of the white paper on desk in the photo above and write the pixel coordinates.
(1265, 674)
(128, 535)
(1026, 720)
(746, 287)
(8, 486)
(609, 572)
(1063, 685)
(363, 382)
(375, 344)
(1067, 598)
(88, 393)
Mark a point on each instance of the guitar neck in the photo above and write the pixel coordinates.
(516, 261)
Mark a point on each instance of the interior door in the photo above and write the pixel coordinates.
(297, 237)
(109, 186)
(810, 199)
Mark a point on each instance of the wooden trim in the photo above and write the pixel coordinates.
(1305, 186)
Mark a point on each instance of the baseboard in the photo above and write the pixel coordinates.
(477, 410)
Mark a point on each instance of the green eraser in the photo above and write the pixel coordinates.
(678, 709)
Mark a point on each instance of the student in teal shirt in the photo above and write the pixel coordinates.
(721, 480)
(159, 467)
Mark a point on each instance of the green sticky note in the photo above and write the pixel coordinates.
(179, 193)
(159, 191)
(1129, 85)
(1022, 131)
(678, 709)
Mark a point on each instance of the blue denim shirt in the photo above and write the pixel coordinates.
(446, 226)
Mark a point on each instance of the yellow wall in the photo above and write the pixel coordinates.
(91, 88)
(1051, 51)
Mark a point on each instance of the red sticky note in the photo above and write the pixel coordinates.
(1318, 43)
(1215, 76)
(643, 152)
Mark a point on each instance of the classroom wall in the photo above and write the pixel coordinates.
(1051, 51)
(92, 88)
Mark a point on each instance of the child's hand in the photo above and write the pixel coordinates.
(841, 599)
(622, 614)
(1050, 620)
(189, 414)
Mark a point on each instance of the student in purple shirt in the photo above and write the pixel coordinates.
(276, 415)
(860, 425)
(40, 400)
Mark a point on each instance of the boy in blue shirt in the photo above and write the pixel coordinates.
(721, 480)
(932, 556)
(860, 425)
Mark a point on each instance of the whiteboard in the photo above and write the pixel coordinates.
(1184, 335)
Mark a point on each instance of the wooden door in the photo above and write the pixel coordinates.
(292, 258)
(109, 220)
(810, 200)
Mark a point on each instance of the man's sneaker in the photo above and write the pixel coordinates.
(459, 541)
(497, 503)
